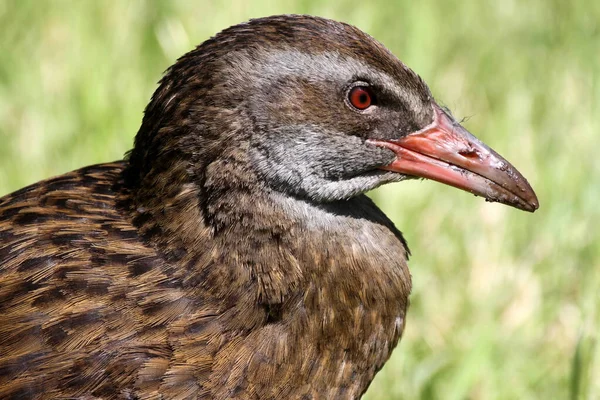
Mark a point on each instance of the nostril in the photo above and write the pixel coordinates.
(469, 153)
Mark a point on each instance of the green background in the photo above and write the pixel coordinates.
(506, 304)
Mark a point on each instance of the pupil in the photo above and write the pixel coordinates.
(363, 98)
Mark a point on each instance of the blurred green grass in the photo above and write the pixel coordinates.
(505, 304)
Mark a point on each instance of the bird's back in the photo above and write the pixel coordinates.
(70, 265)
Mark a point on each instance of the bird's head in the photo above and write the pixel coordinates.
(318, 110)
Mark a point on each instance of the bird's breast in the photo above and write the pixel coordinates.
(343, 308)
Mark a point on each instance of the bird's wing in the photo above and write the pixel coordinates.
(84, 302)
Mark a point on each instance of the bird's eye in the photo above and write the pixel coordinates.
(360, 97)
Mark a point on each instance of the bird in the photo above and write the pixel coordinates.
(233, 253)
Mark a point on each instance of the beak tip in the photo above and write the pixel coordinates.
(529, 203)
(530, 198)
(535, 204)
(526, 201)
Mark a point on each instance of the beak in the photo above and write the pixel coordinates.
(446, 152)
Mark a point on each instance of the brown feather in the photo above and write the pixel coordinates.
(89, 308)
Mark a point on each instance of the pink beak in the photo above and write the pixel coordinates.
(446, 152)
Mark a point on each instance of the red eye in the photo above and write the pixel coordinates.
(360, 97)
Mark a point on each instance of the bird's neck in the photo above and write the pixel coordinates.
(329, 280)
(227, 205)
